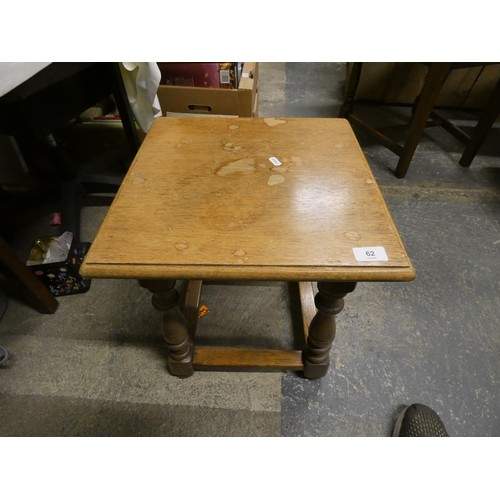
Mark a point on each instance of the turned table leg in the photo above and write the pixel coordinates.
(166, 300)
(329, 301)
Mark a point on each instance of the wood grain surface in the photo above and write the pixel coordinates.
(248, 198)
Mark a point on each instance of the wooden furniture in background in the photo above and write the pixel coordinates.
(424, 113)
(400, 83)
(31, 110)
(36, 108)
(488, 117)
(23, 279)
(283, 199)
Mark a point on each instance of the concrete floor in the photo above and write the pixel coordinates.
(96, 367)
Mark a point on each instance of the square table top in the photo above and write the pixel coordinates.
(289, 199)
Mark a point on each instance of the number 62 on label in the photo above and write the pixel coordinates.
(370, 254)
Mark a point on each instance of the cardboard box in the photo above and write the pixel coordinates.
(212, 101)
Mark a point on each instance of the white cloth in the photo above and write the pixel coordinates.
(141, 82)
(12, 74)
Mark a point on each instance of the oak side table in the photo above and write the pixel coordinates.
(283, 199)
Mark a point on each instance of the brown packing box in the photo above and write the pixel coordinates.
(209, 101)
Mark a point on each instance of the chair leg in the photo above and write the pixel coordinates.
(436, 76)
(126, 114)
(351, 87)
(32, 288)
(486, 121)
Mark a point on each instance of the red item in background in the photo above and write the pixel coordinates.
(190, 74)
(55, 219)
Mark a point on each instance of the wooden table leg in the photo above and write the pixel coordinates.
(174, 329)
(329, 301)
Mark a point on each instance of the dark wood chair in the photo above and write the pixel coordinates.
(423, 115)
(485, 123)
(25, 281)
(34, 110)
(31, 113)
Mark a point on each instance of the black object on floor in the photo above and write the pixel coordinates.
(418, 420)
(64, 278)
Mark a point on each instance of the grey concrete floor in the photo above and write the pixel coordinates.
(96, 367)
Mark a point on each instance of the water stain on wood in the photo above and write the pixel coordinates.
(137, 179)
(242, 166)
(280, 170)
(229, 146)
(275, 179)
(272, 122)
(183, 142)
